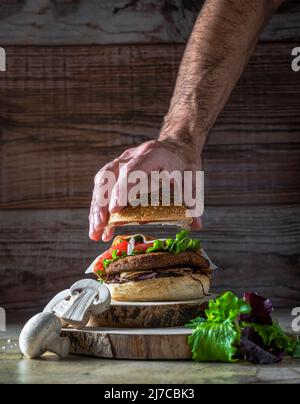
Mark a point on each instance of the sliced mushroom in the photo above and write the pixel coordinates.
(59, 304)
(75, 306)
(102, 301)
(42, 334)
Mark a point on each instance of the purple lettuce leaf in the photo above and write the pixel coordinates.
(251, 349)
(261, 309)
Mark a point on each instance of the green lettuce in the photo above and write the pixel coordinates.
(214, 342)
(224, 335)
(197, 321)
(227, 308)
(158, 245)
(274, 337)
(115, 257)
(296, 353)
(217, 338)
(178, 245)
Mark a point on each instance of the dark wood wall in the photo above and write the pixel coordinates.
(86, 80)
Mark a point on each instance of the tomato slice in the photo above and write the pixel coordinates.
(122, 246)
(117, 241)
(107, 255)
(98, 267)
(142, 247)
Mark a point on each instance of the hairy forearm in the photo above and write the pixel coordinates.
(223, 40)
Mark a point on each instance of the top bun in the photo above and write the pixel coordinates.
(171, 215)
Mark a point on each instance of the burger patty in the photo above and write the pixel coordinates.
(155, 261)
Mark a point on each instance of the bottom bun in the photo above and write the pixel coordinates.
(188, 287)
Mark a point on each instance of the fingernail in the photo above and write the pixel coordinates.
(92, 232)
(97, 220)
(104, 235)
(112, 206)
(103, 217)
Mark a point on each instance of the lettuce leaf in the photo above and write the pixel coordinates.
(214, 342)
(182, 243)
(178, 245)
(217, 338)
(227, 307)
(158, 246)
(261, 309)
(274, 337)
(251, 349)
(194, 323)
(296, 354)
(115, 257)
(223, 336)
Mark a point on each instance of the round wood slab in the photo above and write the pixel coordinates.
(143, 344)
(150, 314)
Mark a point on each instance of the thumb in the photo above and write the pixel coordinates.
(197, 224)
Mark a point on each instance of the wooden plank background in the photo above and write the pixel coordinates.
(67, 110)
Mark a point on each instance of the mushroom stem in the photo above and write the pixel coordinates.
(59, 346)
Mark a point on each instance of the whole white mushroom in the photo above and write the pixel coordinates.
(42, 334)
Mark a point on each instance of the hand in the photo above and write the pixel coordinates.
(167, 154)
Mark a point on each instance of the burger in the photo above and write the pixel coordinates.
(140, 268)
(142, 215)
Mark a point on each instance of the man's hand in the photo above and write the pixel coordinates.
(150, 156)
(223, 39)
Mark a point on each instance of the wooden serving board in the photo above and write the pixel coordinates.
(139, 330)
(136, 344)
(150, 314)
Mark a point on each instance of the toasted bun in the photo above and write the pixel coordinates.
(172, 215)
(189, 287)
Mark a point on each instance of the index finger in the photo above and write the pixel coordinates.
(104, 182)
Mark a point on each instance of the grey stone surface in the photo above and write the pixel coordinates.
(15, 369)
